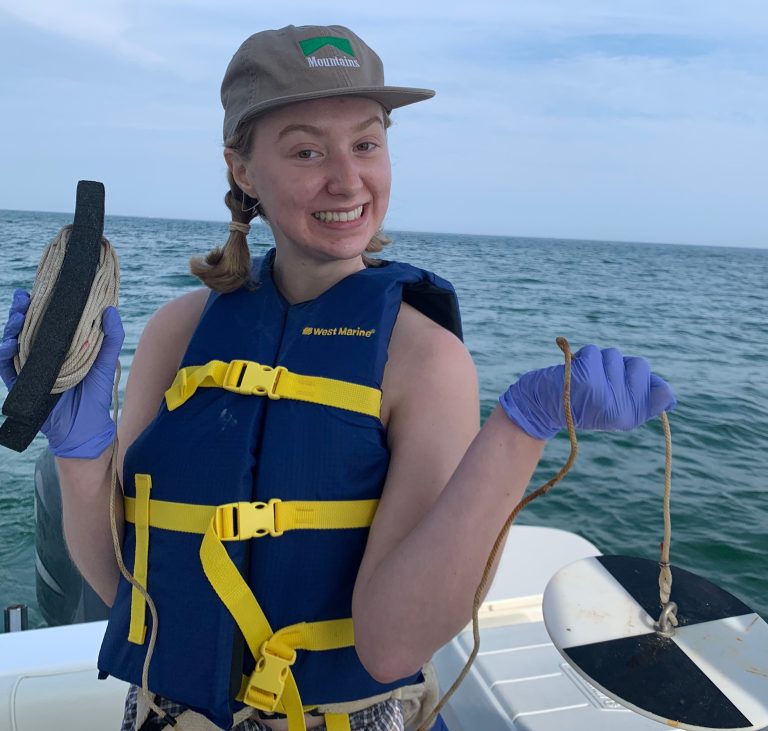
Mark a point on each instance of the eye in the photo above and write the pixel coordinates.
(307, 154)
(366, 146)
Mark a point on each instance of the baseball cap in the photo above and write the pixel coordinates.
(295, 63)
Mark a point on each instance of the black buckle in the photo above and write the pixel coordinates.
(266, 716)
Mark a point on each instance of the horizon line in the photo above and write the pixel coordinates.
(536, 237)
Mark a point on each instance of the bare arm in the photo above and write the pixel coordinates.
(85, 483)
(447, 495)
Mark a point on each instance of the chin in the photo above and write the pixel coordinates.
(346, 249)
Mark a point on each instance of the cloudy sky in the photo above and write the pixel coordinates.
(603, 119)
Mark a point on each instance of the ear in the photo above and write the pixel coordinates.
(239, 171)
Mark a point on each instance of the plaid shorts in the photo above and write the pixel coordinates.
(384, 716)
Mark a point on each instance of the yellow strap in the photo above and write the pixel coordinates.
(317, 636)
(234, 592)
(242, 521)
(271, 687)
(324, 514)
(330, 392)
(337, 722)
(182, 517)
(253, 379)
(138, 629)
(242, 605)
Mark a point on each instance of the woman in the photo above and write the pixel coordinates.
(375, 400)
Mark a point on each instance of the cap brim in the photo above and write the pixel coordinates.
(390, 97)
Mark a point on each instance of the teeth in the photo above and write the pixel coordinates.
(336, 216)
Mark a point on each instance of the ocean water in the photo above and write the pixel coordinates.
(699, 314)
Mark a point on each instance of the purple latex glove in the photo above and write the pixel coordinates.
(80, 424)
(609, 392)
(10, 343)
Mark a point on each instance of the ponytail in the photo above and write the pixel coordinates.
(227, 268)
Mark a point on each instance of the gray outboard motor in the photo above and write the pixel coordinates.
(63, 595)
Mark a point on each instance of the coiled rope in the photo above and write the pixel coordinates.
(88, 337)
(665, 578)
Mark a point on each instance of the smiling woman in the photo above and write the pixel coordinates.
(307, 505)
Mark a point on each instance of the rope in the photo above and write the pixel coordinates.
(83, 351)
(88, 336)
(113, 494)
(499, 542)
(669, 609)
(665, 579)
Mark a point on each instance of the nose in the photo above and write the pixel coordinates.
(344, 174)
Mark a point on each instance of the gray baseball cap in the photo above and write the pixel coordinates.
(295, 63)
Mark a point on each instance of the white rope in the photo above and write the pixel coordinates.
(89, 335)
(669, 609)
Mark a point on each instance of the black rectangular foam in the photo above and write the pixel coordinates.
(30, 400)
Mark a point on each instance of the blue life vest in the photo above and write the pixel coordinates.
(220, 447)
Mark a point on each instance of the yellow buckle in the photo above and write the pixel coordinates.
(241, 521)
(252, 379)
(267, 681)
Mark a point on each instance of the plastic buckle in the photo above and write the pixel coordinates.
(267, 681)
(242, 521)
(252, 379)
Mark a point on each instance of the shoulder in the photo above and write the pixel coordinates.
(425, 362)
(161, 347)
(420, 344)
(167, 334)
(179, 316)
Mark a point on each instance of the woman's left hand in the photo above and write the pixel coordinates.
(609, 392)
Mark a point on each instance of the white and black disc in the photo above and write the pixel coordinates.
(712, 673)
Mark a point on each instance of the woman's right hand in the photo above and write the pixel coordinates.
(10, 343)
(80, 425)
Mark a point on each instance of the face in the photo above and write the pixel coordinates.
(321, 171)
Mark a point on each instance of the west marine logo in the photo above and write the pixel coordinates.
(328, 331)
(310, 46)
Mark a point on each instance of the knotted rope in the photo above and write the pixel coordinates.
(665, 584)
(669, 609)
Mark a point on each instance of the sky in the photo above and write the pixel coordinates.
(597, 119)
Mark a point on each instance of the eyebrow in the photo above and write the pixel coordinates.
(310, 129)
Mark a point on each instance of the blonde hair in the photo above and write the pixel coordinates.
(227, 268)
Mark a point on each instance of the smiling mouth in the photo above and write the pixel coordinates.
(339, 216)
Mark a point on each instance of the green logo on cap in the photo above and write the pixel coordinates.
(311, 45)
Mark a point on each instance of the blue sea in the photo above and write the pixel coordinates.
(700, 314)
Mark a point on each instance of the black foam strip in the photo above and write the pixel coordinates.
(30, 400)
(697, 599)
(652, 673)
